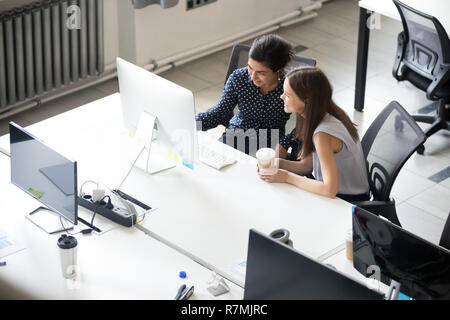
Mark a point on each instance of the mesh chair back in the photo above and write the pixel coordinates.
(388, 143)
(239, 59)
(427, 45)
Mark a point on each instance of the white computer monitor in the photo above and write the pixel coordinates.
(145, 95)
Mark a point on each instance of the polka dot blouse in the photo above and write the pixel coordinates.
(254, 111)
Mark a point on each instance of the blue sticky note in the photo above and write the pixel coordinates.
(188, 164)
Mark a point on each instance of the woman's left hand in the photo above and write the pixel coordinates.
(280, 176)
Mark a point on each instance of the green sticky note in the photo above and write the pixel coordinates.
(35, 193)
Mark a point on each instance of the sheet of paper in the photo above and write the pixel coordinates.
(8, 245)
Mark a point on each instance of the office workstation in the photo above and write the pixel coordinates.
(190, 210)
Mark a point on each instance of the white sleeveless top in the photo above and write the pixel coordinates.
(350, 161)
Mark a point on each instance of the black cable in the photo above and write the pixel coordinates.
(66, 230)
(96, 207)
(86, 231)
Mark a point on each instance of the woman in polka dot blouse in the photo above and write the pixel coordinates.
(255, 90)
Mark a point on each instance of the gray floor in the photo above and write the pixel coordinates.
(422, 203)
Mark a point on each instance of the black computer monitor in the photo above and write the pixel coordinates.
(275, 271)
(421, 268)
(43, 173)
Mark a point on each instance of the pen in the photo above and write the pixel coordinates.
(2, 263)
(180, 291)
(188, 294)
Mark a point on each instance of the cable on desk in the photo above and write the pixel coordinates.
(87, 231)
(137, 222)
(98, 204)
(81, 188)
(66, 230)
(131, 168)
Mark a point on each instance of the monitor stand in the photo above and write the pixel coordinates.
(48, 220)
(394, 291)
(52, 222)
(151, 157)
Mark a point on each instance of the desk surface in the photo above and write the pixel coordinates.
(436, 8)
(204, 213)
(122, 263)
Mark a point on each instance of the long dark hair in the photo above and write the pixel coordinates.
(272, 51)
(312, 86)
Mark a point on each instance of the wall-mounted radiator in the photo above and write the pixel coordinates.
(47, 46)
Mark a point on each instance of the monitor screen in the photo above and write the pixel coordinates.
(275, 271)
(421, 268)
(172, 105)
(43, 173)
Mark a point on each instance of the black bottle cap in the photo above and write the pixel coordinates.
(67, 242)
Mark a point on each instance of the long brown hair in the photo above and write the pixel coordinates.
(312, 86)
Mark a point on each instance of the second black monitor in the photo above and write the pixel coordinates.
(421, 268)
(278, 272)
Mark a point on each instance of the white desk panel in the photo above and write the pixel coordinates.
(205, 213)
(123, 263)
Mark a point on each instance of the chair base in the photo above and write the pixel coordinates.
(438, 122)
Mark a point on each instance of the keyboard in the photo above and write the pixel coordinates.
(215, 156)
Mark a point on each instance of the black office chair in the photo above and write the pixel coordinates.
(445, 237)
(239, 59)
(388, 143)
(423, 57)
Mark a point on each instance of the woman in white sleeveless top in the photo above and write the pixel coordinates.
(331, 148)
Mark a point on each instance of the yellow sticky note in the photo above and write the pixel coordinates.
(131, 133)
(172, 156)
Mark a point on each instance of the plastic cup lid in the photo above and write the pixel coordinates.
(265, 153)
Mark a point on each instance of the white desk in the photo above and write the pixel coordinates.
(123, 263)
(206, 214)
(437, 8)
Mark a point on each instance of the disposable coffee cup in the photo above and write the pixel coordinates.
(68, 254)
(349, 245)
(266, 161)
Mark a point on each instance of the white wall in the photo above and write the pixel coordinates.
(111, 32)
(155, 33)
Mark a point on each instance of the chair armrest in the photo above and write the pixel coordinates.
(380, 208)
(401, 45)
(441, 78)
